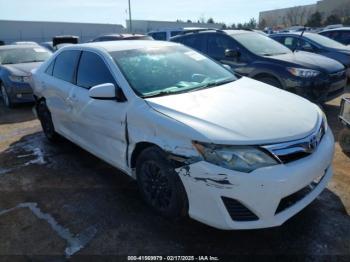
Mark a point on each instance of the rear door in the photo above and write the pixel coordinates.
(99, 125)
(57, 86)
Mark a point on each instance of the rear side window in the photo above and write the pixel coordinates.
(289, 42)
(197, 42)
(49, 69)
(65, 65)
(93, 71)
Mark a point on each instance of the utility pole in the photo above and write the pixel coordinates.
(130, 23)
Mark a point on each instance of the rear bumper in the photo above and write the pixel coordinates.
(263, 196)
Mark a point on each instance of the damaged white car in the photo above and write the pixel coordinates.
(233, 154)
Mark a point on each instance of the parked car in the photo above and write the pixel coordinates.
(318, 44)
(314, 77)
(166, 34)
(48, 45)
(64, 40)
(344, 116)
(341, 35)
(24, 43)
(233, 154)
(117, 37)
(16, 62)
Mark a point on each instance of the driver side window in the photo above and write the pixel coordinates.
(93, 71)
(217, 44)
(305, 45)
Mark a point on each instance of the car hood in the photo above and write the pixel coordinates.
(22, 69)
(311, 61)
(242, 112)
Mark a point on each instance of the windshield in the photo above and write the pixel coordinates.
(23, 55)
(260, 44)
(169, 70)
(325, 41)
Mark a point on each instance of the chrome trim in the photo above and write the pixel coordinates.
(305, 146)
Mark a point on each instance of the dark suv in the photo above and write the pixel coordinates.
(312, 76)
(342, 35)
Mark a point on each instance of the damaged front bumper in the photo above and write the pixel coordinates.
(267, 197)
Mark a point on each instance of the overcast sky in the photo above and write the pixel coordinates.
(114, 11)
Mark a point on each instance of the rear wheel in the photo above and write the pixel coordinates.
(5, 97)
(160, 185)
(46, 121)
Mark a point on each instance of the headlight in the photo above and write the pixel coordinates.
(240, 158)
(19, 79)
(304, 73)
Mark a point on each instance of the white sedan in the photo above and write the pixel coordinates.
(233, 154)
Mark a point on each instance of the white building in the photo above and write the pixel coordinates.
(11, 31)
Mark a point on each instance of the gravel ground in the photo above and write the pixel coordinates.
(59, 202)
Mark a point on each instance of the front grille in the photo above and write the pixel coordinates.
(298, 149)
(237, 211)
(292, 199)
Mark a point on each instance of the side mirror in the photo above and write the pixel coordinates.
(232, 53)
(227, 67)
(107, 91)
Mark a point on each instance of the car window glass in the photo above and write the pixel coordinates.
(195, 41)
(159, 35)
(217, 45)
(304, 45)
(174, 33)
(289, 42)
(65, 65)
(93, 71)
(49, 69)
(345, 37)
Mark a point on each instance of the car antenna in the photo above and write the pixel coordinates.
(300, 37)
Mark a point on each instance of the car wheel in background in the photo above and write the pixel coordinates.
(44, 116)
(270, 81)
(5, 97)
(344, 139)
(160, 185)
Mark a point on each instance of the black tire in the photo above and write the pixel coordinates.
(344, 139)
(159, 184)
(270, 81)
(5, 97)
(44, 116)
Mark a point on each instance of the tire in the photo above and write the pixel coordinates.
(44, 116)
(344, 139)
(270, 81)
(159, 184)
(5, 97)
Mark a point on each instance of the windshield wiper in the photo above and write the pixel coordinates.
(213, 84)
(161, 93)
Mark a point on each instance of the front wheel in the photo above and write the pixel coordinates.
(160, 185)
(46, 121)
(5, 97)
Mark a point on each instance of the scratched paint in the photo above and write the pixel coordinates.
(74, 242)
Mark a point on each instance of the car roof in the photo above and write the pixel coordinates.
(8, 47)
(121, 35)
(111, 46)
(239, 31)
(337, 29)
